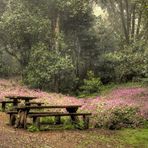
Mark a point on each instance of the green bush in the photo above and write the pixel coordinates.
(119, 117)
(91, 85)
(32, 128)
(49, 120)
(69, 125)
(49, 70)
(129, 63)
(8, 66)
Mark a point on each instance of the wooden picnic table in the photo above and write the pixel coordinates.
(24, 111)
(69, 108)
(16, 98)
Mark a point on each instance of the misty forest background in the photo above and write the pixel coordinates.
(74, 46)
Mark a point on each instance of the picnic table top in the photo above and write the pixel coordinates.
(49, 106)
(21, 97)
(7, 101)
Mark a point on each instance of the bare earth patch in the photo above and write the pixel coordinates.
(18, 138)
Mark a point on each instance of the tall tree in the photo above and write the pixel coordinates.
(127, 18)
(21, 29)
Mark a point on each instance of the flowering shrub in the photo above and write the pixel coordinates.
(119, 117)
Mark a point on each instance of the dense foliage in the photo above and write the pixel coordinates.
(48, 68)
(54, 44)
(119, 117)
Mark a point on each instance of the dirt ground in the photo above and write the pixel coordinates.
(18, 138)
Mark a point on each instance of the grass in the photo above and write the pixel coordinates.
(133, 138)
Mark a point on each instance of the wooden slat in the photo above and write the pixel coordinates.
(15, 112)
(34, 103)
(21, 97)
(59, 114)
(8, 101)
(53, 106)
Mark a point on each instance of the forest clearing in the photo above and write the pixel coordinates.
(65, 138)
(73, 73)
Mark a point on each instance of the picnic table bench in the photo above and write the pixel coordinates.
(36, 117)
(34, 103)
(71, 112)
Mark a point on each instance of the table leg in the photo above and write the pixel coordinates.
(15, 103)
(3, 106)
(25, 120)
(74, 119)
(86, 122)
(39, 104)
(36, 122)
(27, 100)
(21, 119)
(17, 123)
(57, 120)
(12, 119)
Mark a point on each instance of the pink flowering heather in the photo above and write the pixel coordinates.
(120, 97)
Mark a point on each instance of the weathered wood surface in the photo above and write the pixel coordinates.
(34, 103)
(69, 108)
(25, 98)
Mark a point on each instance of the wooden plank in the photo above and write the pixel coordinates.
(51, 106)
(60, 114)
(15, 112)
(34, 103)
(8, 101)
(57, 118)
(21, 97)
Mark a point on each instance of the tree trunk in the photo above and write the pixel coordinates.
(128, 13)
(77, 54)
(133, 24)
(55, 24)
(139, 23)
(123, 22)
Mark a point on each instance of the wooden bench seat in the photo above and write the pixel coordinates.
(36, 117)
(15, 112)
(34, 103)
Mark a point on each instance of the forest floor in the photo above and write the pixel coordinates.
(92, 138)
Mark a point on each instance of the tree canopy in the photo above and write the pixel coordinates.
(53, 45)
